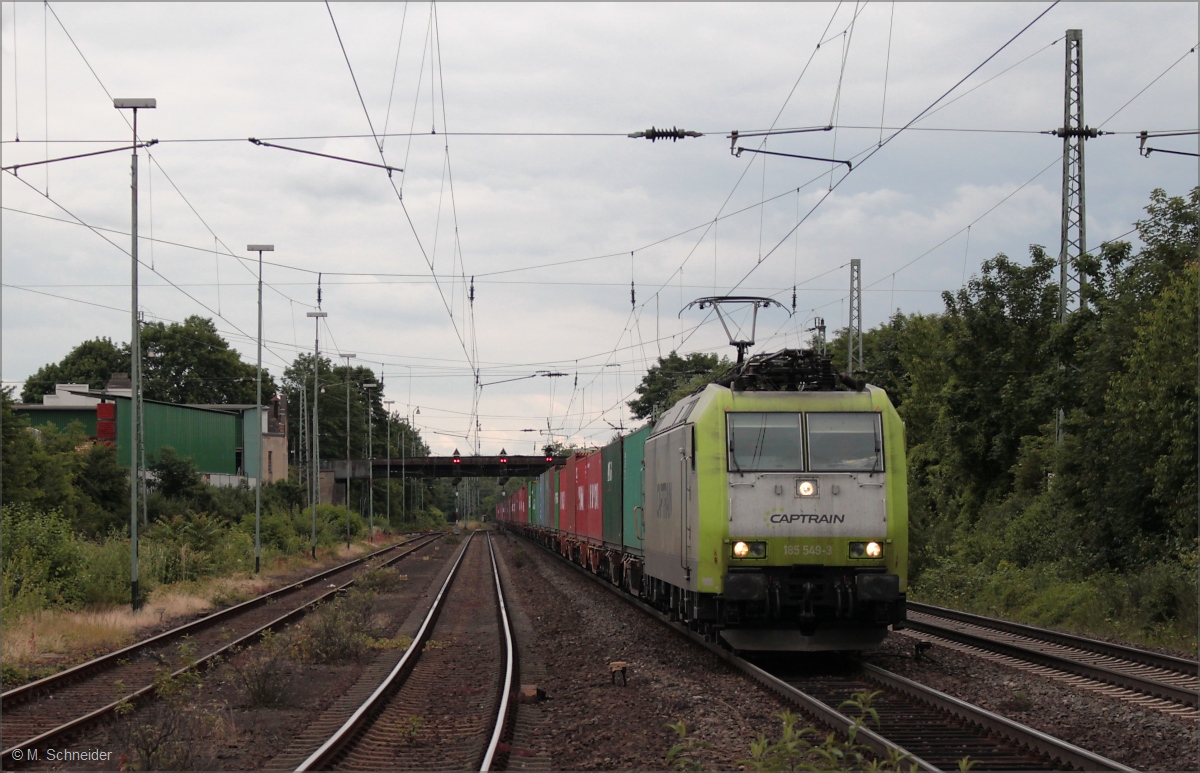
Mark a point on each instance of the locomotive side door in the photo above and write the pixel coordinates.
(668, 470)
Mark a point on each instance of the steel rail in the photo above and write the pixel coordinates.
(1060, 663)
(320, 759)
(1145, 657)
(144, 693)
(509, 667)
(1014, 731)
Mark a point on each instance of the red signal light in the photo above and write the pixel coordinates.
(549, 458)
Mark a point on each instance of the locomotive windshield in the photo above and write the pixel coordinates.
(844, 442)
(764, 442)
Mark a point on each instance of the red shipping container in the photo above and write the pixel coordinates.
(523, 505)
(591, 523)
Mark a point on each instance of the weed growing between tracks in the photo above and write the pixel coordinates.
(172, 732)
(263, 672)
(803, 748)
(338, 631)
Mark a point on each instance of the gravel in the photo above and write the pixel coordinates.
(590, 722)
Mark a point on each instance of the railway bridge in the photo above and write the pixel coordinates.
(503, 467)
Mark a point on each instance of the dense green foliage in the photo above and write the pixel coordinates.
(672, 378)
(1003, 516)
(182, 362)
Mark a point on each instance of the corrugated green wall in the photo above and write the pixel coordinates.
(62, 418)
(210, 438)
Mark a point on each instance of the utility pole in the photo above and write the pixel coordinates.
(316, 424)
(854, 331)
(348, 358)
(388, 506)
(258, 417)
(370, 462)
(135, 365)
(1072, 284)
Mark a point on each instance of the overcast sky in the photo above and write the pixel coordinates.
(518, 173)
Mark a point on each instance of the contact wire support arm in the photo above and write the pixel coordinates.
(389, 169)
(15, 167)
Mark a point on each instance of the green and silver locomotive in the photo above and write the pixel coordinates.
(776, 512)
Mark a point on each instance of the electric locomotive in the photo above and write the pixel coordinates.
(775, 508)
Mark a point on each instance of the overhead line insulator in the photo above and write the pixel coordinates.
(672, 134)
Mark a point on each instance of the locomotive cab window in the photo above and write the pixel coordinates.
(845, 442)
(764, 442)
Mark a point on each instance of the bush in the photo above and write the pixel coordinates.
(171, 732)
(384, 579)
(338, 631)
(263, 672)
(41, 562)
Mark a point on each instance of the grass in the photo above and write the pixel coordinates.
(1156, 606)
(40, 642)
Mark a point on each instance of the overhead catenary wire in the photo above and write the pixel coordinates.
(886, 142)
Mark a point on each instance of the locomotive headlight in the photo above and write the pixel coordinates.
(806, 488)
(749, 549)
(866, 550)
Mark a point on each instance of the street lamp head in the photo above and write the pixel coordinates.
(120, 103)
(370, 385)
(348, 356)
(260, 247)
(317, 314)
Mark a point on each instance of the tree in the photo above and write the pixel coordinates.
(190, 362)
(182, 362)
(673, 378)
(92, 362)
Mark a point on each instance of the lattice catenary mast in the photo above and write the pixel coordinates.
(854, 331)
(1072, 283)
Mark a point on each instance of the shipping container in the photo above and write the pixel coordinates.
(633, 495)
(591, 526)
(611, 504)
(531, 496)
(566, 498)
(552, 480)
(522, 505)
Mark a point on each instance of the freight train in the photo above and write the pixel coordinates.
(768, 510)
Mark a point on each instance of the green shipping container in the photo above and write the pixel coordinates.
(532, 498)
(612, 504)
(633, 494)
(553, 478)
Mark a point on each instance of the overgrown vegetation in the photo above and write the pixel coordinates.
(172, 732)
(66, 523)
(801, 748)
(1096, 532)
(340, 630)
(263, 672)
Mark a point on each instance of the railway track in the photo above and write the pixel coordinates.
(444, 705)
(1150, 679)
(47, 711)
(933, 730)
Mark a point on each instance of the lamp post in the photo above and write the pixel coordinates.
(135, 365)
(260, 249)
(370, 462)
(348, 358)
(316, 428)
(389, 403)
